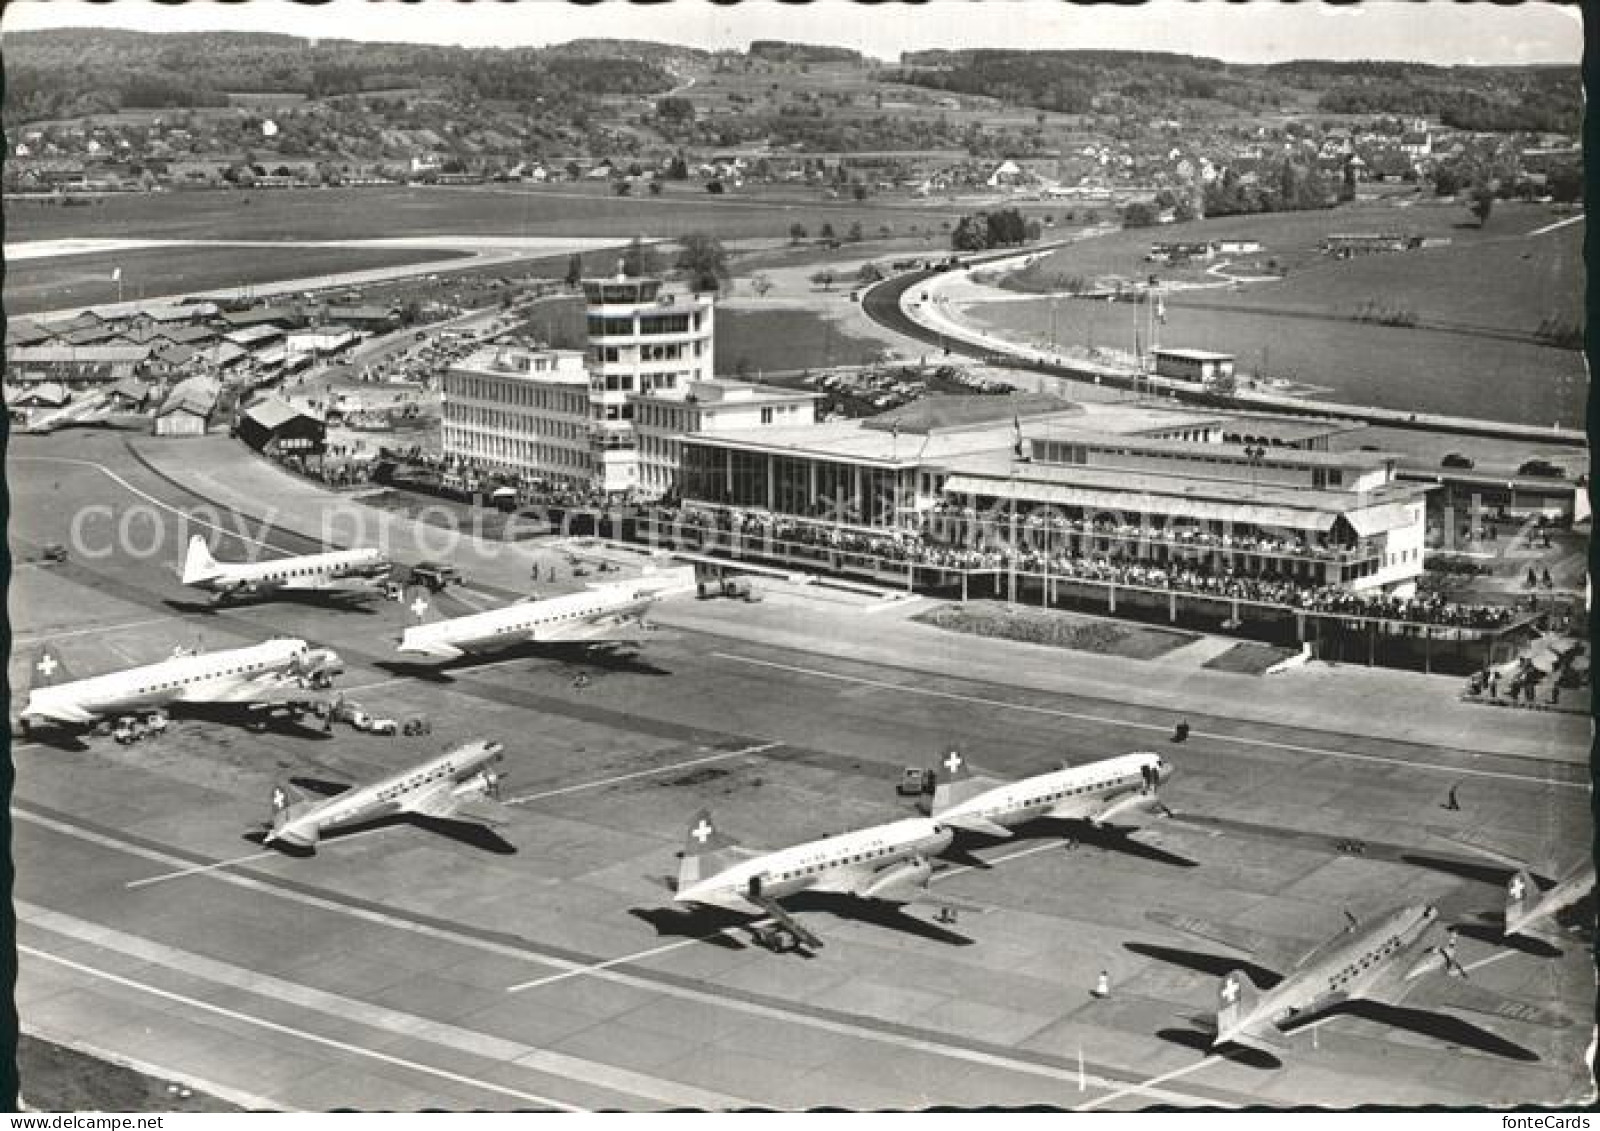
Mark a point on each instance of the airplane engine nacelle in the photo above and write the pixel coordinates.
(486, 783)
(897, 884)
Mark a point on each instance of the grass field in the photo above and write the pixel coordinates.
(1057, 629)
(511, 210)
(749, 342)
(1478, 303)
(84, 280)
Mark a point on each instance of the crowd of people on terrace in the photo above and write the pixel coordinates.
(916, 548)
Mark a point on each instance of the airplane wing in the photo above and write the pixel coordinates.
(448, 806)
(61, 713)
(1448, 992)
(602, 630)
(249, 691)
(974, 824)
(1273, 950)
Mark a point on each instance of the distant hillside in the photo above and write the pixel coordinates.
(1469, 98)
(778, 51)
(73, 73)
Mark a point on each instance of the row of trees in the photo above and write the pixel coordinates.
(702, 262)
(983, 230)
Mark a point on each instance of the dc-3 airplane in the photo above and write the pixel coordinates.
(887, 864)
(278, 672)
(605, 616)
(1096, 793)
(457, 786)
(357, 572)
(1386, 960)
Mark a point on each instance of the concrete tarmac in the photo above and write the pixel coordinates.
(409, 967)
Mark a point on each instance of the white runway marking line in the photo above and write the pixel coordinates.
(718, 757)
(333, 842)
(1154, 1081)
(273, 1026)
(198, 868)
(1558, 224)
(30, 637)
(1054, 712)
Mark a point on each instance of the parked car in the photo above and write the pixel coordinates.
(1456, 459)
(1542, 468)
(435, 575)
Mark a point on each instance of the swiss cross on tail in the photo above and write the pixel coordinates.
(704, 836)
(47, 670)
(955, 766)
(419, 604)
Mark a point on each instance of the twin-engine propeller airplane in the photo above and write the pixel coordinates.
(456, 786)
(1387, 960)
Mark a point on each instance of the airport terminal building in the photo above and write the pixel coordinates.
(1129, 486)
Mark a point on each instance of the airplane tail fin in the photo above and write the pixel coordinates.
(954, 782)
(420, 605)
(706, 851)
(1521, 892)
(47, 668)
(288, 802)
(198, 564)
(1237, 996)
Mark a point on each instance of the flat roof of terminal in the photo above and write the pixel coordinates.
(1234, 451)
(1000, 473)
(849, 441)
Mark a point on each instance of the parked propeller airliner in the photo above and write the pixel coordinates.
(276, 672)
(1097, 793)
(360, 572)
(604, 616)
(1387, 960)
(887, 864)
(456, 786)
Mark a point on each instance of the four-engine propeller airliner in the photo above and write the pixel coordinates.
(604, 616)
(888, 864)
(282, 671)
(359, 572)
(1097, 793)
(456, 786)
(1388, 959)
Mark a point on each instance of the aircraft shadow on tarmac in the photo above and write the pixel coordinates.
(1475, 870)
(1444, 1027)
(1199, 1040)
(577, 656)
(1203, 962)
(310, 598)
(699, 922)
(1072, 834)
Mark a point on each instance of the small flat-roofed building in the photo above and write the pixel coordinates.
(1197, 367)
(255, 336)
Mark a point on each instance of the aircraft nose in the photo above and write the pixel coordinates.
(495, 749)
